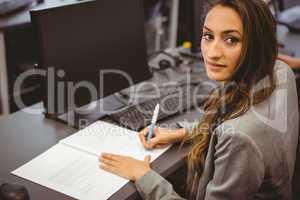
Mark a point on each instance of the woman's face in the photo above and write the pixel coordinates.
(221, 43)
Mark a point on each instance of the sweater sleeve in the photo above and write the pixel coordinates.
(238, 173)
(152, 186)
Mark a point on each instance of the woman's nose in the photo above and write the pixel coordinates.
(214, 50)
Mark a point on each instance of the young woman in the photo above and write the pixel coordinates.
(244, 147)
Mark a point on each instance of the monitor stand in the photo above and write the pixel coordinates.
(83, 116)
(190, 54)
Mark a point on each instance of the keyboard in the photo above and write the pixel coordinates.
(172, 99)
(8, 6)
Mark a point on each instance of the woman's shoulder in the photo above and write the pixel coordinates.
(231, 137)
(282, 70)
(271, 115)
(240, 128)
(247, 132)
(247, 125)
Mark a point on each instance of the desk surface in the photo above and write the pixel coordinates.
(24, 136)
(22, 18)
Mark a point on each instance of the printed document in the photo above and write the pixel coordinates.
(72, 167)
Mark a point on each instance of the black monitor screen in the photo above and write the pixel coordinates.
(196, 10)
(86, 39)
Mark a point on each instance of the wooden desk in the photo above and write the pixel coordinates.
(25, 136)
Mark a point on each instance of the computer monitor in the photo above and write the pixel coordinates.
(81, 40)
(197, 8)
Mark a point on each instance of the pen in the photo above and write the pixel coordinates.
(153, 122)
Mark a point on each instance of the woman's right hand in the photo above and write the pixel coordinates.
(162, 137)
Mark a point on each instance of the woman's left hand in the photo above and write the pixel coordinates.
(124, 166)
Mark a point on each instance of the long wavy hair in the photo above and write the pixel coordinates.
(229, 101)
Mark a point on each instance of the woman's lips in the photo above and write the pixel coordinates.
(215, 66)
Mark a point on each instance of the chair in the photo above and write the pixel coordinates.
(296, 178)
(288, 17)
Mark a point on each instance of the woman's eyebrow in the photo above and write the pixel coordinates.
(225, 32)
(232, 31)
(207, 28)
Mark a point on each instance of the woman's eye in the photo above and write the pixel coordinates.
(232, 40)
(208, 36)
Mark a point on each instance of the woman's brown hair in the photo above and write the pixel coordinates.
(259, 52)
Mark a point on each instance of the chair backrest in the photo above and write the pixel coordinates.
(296, 178)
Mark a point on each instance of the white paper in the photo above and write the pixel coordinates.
(75, 172)
(104, 137)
